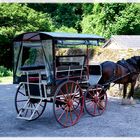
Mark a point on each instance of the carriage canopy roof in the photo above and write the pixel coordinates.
(34, 36)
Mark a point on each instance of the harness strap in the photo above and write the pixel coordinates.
(125, 64)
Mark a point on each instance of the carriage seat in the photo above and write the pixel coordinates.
(95, 74)
(33, 73)
(69, 66)
(32, 67)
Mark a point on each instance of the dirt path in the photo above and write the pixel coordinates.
(116, 121)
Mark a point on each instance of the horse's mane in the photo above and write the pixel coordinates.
(132, 61)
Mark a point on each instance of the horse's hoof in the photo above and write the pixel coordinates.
(132, 101)
(128, 101)
(125, 102)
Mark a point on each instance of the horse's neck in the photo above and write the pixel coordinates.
(133, 63)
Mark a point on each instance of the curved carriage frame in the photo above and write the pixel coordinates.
(66, 80)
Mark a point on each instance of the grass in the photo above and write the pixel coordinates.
(6, 80)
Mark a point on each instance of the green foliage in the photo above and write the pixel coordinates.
(18, 18)
(87, 8)
(128, 22)
(67, 14)
(66, 29)
(5, 72)
(32, 57)
(103, 19)
(108, 19)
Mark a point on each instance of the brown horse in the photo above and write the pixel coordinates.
(122, 72)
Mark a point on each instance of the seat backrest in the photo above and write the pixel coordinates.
(69, 66)
(70, 60)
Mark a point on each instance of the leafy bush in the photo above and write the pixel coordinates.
(5, 72)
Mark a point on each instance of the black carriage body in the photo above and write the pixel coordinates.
(47, 74)
(27, 44)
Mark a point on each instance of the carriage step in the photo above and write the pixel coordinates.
(27, 113)
(24, 118)
(27, 108)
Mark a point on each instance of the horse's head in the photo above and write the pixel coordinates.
(137, 61)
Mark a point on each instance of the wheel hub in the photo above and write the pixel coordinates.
(70, 103)
(96, 99)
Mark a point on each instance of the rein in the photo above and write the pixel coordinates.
(112, 81)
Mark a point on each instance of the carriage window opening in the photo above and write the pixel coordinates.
(47, 47)
(17, 56)
(70, 60)
(32, 56)
(70, 50)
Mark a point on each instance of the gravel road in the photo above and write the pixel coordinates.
(116, 121)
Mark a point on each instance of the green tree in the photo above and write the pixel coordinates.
(18, 18)
(108, 19)
(67, 14)
(128, 22)
(66, 29)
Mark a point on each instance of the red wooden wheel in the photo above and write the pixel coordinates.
(68, 103)
(95, 100)
(21, 98)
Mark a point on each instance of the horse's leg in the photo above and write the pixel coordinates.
(131, 93)
(124, 100)
(124, 90)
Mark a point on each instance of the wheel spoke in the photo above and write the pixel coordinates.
(75, 112)
(101, 96)
(34, 105)
(57, 109)
(26, 112)
(71, 117)
(95, 106)
(91, 103)
(71, 89)
(76, 101)
(22, 100)
(41, 105)
(21, 93)
(78, 97)
(100, 106)
(60, 100)
(99, 90)
(37, 112)
(66, 117)
(75, 95)
(91, 94)
(63, 94)
(61, 115)
(31, 107)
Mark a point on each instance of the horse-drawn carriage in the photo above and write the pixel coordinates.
(46, 74)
